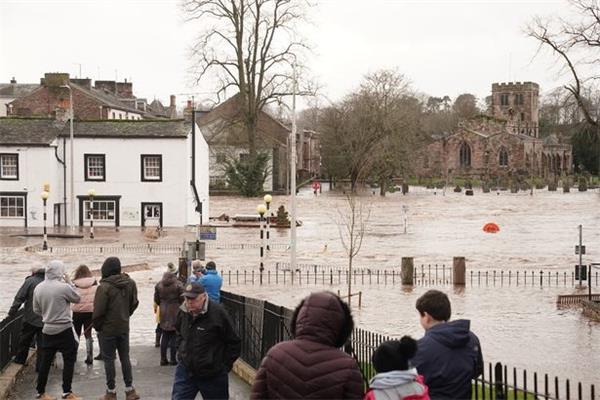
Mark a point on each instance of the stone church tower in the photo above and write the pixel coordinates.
(517, 103)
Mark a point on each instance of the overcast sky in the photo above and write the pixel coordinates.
(443, 47)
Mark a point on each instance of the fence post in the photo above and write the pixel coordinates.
(498, 381)
(407, 271)
(458, 271)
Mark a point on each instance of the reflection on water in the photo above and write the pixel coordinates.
(517, 325)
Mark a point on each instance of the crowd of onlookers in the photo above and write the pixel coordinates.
(195, 333)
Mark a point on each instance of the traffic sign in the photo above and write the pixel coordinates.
(577, 249)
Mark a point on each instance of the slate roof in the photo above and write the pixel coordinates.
(17, 89)
(41, 132)
(230, 111)
(106, 98)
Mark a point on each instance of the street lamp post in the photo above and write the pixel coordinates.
(91, 193)
(71, 157)
(261, 210)
(268, 199)
(293, 177)
(44, 196)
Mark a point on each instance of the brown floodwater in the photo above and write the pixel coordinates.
(520, 326)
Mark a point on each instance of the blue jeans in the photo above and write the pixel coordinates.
(109, 345)
(186, 386)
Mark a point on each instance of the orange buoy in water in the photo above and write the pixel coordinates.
(491, 228)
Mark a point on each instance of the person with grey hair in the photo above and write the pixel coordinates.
(32, 323)
(52, 300)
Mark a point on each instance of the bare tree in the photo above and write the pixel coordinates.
(352, 222)
(248, 45)
(576, 44)
(359, 132)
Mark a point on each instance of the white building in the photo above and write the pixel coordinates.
(141, 172)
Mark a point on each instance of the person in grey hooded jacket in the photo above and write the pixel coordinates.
(32, 322)
(52, 300)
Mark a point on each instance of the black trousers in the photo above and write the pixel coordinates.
(65, 343)
(167, 341)
(28, 332)
(83, 320)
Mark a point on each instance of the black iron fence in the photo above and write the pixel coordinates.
(261, 325)
(10, 331)
(425, 275)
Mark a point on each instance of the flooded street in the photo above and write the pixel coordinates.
(520, 326)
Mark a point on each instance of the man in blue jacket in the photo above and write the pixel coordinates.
(212, 282)
(449, 355)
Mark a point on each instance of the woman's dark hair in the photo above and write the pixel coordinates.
(82, 272)
(394, 355)
(345, 330)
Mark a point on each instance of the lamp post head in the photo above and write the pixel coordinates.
(261, 209)
(268, 198)
(91, 192)
(45, 195)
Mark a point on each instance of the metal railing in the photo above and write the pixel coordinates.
(10, 331)
(148, 248)
(261, 325)
(431, 275)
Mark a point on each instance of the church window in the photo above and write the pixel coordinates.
(503, 158)
(519, 99)
(504, 99)
(465, 155)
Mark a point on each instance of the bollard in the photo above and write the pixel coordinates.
(407, 271)
(458, 271)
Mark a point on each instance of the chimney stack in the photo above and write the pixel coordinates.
(172, 103)
(13, 80)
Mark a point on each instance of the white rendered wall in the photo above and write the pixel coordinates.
(37, 165)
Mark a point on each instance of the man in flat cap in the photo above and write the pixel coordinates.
(207, 347)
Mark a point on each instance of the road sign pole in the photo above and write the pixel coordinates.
(580, 253)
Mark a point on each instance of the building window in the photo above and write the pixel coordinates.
(503, 158)
(504, 99)
(12, 206)
(9, 166)
(113, 115)
(151, 167)
(519, 99)
(95, 167)
(465, 155)
(104, 210)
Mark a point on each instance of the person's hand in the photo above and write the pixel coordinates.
(67, 278)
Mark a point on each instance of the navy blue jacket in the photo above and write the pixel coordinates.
(212, 282)
(449, 357)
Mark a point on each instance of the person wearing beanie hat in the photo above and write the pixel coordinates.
(114, 303)
(212, 281)
(111, 266)
(52, 300)
(395, 378)
(171, 268)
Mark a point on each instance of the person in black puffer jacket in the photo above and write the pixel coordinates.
(207, 347)
(312, 366)
(32, 323)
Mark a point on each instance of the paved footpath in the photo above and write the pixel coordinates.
(150, 379)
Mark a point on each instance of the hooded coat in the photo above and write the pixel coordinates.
(449, 357)
(114, 302)
(167, 295)
(86, 287)
(25, 296)
(52, 299)
(212, 282)
(312, 366)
